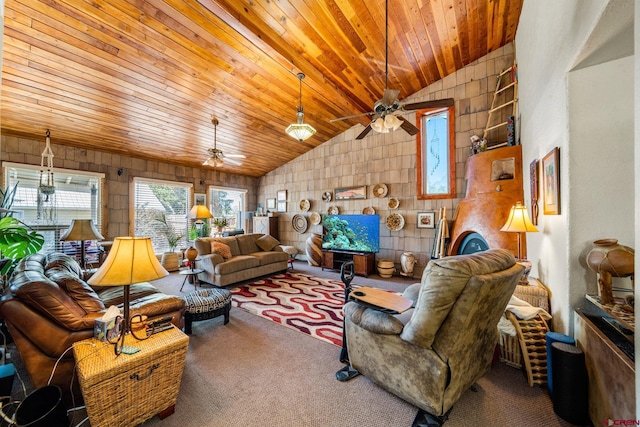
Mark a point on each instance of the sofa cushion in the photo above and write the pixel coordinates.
(247, 243)
(220, 249)
(237, 263)
(270, 257)
(267, 242)
(77, 289)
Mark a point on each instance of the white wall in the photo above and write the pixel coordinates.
(545, 60)
(600, 156)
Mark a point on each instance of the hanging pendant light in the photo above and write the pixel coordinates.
(300, 130)
(47, 186)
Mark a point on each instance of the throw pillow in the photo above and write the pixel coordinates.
(221, 249)
(267, 242)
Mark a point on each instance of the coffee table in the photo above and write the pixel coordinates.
(191, 273)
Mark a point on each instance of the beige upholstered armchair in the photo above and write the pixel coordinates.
(432, 353)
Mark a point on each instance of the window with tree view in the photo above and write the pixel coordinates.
(226, 206)
(160, 212)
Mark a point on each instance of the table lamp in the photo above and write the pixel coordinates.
(199, 212)
(519, 222)
(82, 230)
(131, 260)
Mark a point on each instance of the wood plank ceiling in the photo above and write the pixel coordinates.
(145, 77)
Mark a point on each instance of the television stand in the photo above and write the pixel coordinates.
(363, 263)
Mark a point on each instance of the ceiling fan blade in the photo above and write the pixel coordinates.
(408, 126)
(389, 96)
(438, 103)
(364, 132)
(235, 156)
(351, 117)
(232, 161)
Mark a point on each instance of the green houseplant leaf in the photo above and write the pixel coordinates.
(17, 240)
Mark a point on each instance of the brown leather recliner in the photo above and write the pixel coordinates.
(433, 353)
(50, 307)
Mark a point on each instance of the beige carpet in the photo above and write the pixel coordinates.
(254, 372)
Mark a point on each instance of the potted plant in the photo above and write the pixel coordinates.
(170, 260)
(220, 223)
(17, 240)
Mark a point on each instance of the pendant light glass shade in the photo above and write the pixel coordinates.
(300, 130)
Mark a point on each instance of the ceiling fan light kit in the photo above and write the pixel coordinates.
(300, 130)
(217, 157)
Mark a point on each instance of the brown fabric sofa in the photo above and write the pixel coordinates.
(251, 256)
(48, 307)
(433, 353)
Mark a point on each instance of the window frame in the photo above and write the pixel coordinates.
(53, 231)
(243, 216)
(421, 150)
(133, 197)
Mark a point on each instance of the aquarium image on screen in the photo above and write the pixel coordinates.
(357, 233)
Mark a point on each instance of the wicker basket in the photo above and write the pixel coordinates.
(128, 389)
(536, 294)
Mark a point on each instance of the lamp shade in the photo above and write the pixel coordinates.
(518, 220)
(82, 229)
(200, 211)
(130, 260)
(300, 131)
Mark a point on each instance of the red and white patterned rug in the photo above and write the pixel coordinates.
(312, 305)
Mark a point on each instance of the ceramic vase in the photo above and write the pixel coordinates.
(170, 261)
(313, 249)
(191, 254)
(610, 259)
(385, 268)
(407, 262)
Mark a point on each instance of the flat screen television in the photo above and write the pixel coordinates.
(356, 233)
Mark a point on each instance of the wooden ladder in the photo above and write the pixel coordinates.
(503, 97)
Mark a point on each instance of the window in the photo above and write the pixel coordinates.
(78, 195)
(436, 154)
(156, 201)
(228, 203)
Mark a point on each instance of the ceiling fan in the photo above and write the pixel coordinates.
(216, 157)
(387, 111)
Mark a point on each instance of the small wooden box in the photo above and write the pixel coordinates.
(130, 388)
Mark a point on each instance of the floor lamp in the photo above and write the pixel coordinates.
(131, 260)
(81, 230)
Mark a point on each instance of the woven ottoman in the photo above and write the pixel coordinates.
(206, 304)
(292, 252)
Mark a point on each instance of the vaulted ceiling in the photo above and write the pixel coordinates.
(145, 77)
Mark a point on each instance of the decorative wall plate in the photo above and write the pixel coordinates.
(315, 218)
(304, 205)
(380, 190)
(393, 203)
(395, 222)
(299, 223)
(369, 210)
(333, 210)
(326, 196)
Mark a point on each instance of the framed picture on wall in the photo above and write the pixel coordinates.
(551, 182)
(271, 204)
(199, 199)
(426, 220)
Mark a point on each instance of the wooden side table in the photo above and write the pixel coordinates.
(131, 388)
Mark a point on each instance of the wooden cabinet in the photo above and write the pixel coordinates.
(266, 225)
(363, 263)
(611, 371)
